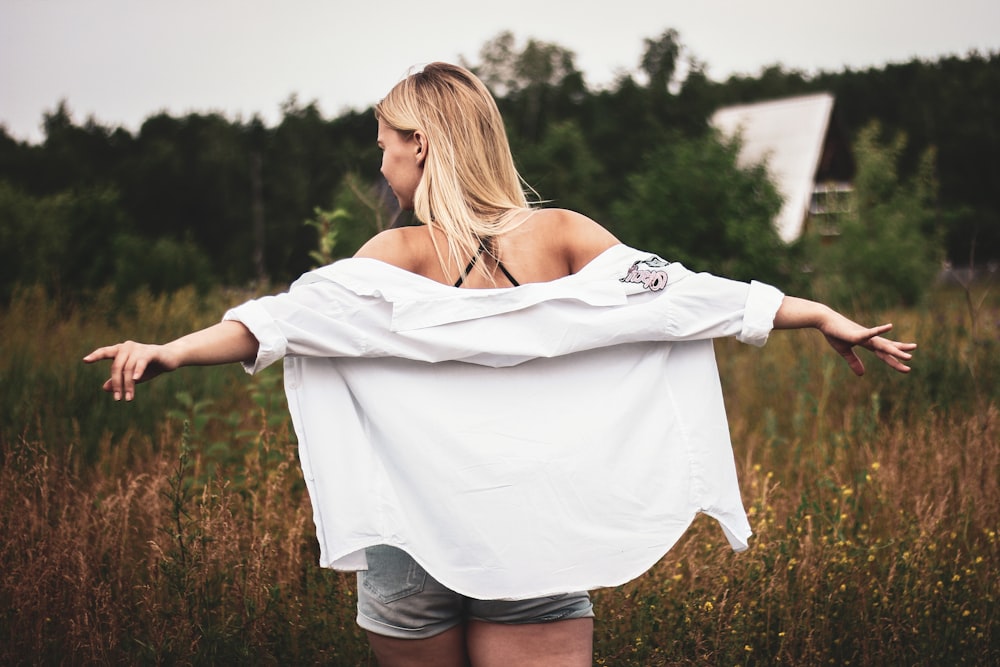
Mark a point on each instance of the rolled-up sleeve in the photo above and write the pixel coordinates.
(702, 305)
(271, 342)
(312, 320)
(762, 305)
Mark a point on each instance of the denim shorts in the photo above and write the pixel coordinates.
(397, 598)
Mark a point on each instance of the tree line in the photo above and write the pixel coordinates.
(204, 199)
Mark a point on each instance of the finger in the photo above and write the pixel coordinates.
(140, 370)
(893, 354)
(894, 363)
(875, 332)
(134, 377)
(854, 361)
(896, 349)
(897, 359)
(101, 353)
(128, 378)
(118, 371)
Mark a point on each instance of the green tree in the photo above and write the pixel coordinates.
(189, 179)
(305, 165)
(536, 84)
(659, 62)
(161, 265)
(563, 169)
(888, 249)
(29, 240)
(62, 241)
(691, 203)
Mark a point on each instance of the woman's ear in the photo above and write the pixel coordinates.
(421, 147)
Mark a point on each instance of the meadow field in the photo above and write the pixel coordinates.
(176, 529)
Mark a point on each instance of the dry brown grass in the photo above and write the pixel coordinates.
(875, 505)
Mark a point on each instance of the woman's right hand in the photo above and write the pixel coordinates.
(132, 363)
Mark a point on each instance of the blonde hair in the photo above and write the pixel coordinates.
(470, 189)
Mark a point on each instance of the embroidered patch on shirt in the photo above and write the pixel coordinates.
(650, 273)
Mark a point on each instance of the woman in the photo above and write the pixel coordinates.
(485, 455)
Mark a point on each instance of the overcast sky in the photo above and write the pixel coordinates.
(123, 60)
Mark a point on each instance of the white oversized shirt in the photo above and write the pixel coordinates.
(516, 442)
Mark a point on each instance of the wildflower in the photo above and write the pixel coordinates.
(708, 605)
(876, 465)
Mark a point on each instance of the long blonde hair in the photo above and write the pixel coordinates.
(470, 189)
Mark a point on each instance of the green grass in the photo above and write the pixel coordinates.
(176, 529)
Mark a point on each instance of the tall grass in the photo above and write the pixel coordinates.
(176, 529)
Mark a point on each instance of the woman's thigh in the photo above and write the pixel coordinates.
(413, 619)
(568, 643)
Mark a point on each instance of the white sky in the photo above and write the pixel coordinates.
(123, 60)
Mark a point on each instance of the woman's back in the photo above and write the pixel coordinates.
(544, 245)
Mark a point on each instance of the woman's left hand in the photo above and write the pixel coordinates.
(843, 335)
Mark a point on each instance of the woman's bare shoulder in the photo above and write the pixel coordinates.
(578, 238)
(403, 247)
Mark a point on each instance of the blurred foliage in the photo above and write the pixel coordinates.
(693, 204)
(327, 231)
(202, 199)
(887, 248)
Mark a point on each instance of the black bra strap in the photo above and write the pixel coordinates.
(507, 273)
(468, 267)
(472, 263)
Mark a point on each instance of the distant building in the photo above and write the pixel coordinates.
(807, 153)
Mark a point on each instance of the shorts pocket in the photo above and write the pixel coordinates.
(392, 574)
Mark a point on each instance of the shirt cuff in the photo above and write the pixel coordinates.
(762, 305)
(271, 343)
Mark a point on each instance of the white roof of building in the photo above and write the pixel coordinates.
(788, 135)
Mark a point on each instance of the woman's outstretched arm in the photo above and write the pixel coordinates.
(843, 334)
(132, 363)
